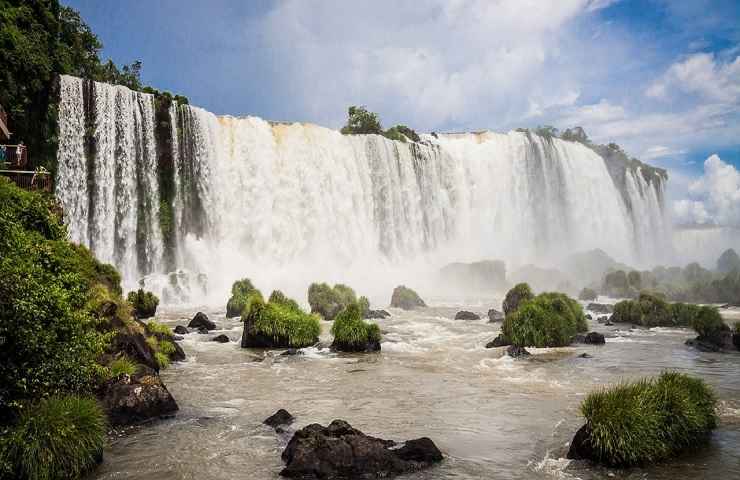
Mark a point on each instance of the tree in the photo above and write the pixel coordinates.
(728, 261)
(361, 121)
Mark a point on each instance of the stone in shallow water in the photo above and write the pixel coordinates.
(181, 330)
(517, 351)
(200, 320)
(499, 341)
(221, 338)
(466, 315)
(128, 401)
(340, 451)
(495, 316)
(281, 417)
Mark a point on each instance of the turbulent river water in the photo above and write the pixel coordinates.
(494, 417)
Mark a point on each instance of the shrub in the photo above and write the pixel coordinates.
(166, 347)
(163, 361)
(587, 294)
(548, 320)
(122, 365)
(361, 121)
(405, 298)
(155, 328)
(352, 333)
(648, 420)
(708, 324)
(279, 297)
(684, 314)
(516, 296)
(282, 321)
(240, 290)
(649, 310)
(328, 301)
(364, 304)
(144, 303)
(56, 438)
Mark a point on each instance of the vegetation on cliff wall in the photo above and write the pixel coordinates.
(362, 121)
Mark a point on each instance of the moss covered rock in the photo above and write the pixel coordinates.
(240, 290)
(328, 301)
(516, 296)
(277, 324)
(406, 299)
(352, 333)
(547, 320)
(144, 303)
(646, 421)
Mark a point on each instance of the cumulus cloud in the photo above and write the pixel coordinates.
(700, 74)
(714, 198)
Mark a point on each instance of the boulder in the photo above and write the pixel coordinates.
(600, 307)
(291, 352)
(221, 339)
(181, 330)
(589, 317)
(499, 341)
(179, 354)
(495, 316)
(517, 351)
(595, 338)
(376, 314)
(202, 330)
(134, 345)
(281, 417)
(406, 299)
(720, 342)
(129, 401)
(585, 355)
(465, 315)
(200, 320)
(580, 448)
(340, 451)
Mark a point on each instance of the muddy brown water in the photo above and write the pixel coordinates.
(494, 417)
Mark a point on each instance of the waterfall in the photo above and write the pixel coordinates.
(299, 201)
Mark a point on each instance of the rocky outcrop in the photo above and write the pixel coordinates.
(340, 451)
(372, 345)
(181, 330)
(600, 307)
(519, 294)
(499, 341)
(376, 314)
(131, 400)
(466, 315)
(516, 351)
(221, 339)
(200, 320)
(135, 347)
(406, 299)
(580, 448)
(279, 418)
(495, 316)
(592, 338)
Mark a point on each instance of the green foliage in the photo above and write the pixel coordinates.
(684, 314)
(57, 438)
(649, 310)
(548, 320)
(351, 332)
(240, 291)
(519, 294)
(405, 298)
(122, 365)
(364, 304)
(144, 303)
(279, 297)
(166, 347)
(648, 420)
(708, 323)
(587, 294)
(155, 328)
(282, 320)
(50, 343)
(361, 121)
(163, 360)
(617, 284)
(328, 301)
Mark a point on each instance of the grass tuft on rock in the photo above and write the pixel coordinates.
(281, 321)
(240, 291)
(648, 420)
(519, 294)
(122, 366)
(352, 333)
(56, 438)
(144, 303)
(548, 320)
(155, 328)
(163, 360)
(328, 301)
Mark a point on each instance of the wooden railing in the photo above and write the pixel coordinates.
(30, 180)
(13, 156)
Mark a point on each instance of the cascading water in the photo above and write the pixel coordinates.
(291, 203)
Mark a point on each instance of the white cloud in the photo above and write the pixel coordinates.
(658, 151)
(701, 75)
(714, 198)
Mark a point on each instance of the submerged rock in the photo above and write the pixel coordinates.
(202, 330)
(516, 351)
(593, 338)
(200, 320)
(376, 314)
(340, 451)
(499, 341)
(466, 315)
(221, 338)
(129, 401)
(600, 307)
(585, 355)
(589, 317)
(281, 417)
(495, 316)
(181, 330)
(292, 352)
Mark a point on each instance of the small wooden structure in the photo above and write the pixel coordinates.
(30, 180)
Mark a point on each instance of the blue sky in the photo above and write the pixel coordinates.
(659, 77)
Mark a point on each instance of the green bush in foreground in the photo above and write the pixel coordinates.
(328, 301)
(352, 333)
(547, 320)
(519, 294)
(240, 291)
(144, 303)
(57, 438)
(648, 311)
(708, 324)
(649, 420)
(281, 322)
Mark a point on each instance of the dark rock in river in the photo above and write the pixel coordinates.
(181, 330)
(202, 330)
(465, 315)
(221, 339)
(340, 451)
(593, 338)
(600, 307)
(370, 346)
(406, 299)
(376, 314)
(281, 417)
(585, 355)
(517, 351)
(580, 448)
(499, 341)
(200, 320)
(720, 342)
(495, 316)
(179, 354)
(134, 345)
(589, 317)
(736, 340)
(128, 401)
(291, 352)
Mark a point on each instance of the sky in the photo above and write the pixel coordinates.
(659, 77)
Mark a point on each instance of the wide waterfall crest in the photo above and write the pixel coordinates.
(291, 200)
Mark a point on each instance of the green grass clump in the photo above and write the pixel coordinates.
(144, 303)
(163, 361)
(240, 291)
(648, 310)
(405, 298)
(548, 320)
(122, 365)
(587, 294)
(56, 438)
(166, 347)
(684, 314)
(364, 304)
(328, 301)
(158, 328)
(279, 297)
(282, 320)
(648, 420)
(516, 296)
(351, 332)
(708, 323)
(153, 343)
